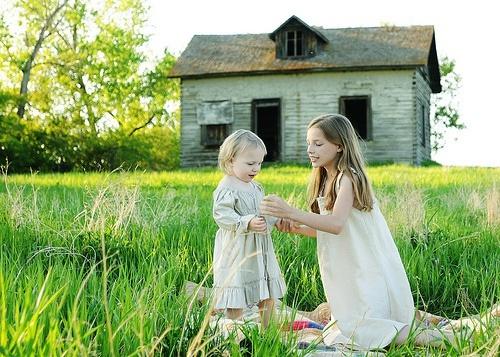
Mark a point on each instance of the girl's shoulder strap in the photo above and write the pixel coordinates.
(339, 177)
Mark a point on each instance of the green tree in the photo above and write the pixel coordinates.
(103, 80)
(444, 104)
(92, 85)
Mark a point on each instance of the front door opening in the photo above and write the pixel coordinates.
(357, 110)
(266, 124)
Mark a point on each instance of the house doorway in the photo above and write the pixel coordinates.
(266, 123)
(357, 109)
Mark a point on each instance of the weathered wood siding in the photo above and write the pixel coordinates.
(303, 97)
(422, 144)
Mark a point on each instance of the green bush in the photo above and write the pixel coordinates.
(27, 147)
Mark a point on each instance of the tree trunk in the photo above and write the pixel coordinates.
(26, 69)
(88, 105)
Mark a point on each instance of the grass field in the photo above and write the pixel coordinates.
(94, 264)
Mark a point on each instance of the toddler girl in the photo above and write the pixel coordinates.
(246, 271)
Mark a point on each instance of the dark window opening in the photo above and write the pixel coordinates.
(298, 44)
(214, 134)
(290, 43)
(423, 117)
(294, 44)
(266, 124)
(357, 110)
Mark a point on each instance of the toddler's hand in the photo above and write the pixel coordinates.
(257, 224)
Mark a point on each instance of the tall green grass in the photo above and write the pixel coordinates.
(94, 264)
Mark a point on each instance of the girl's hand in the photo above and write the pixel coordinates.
(275, 206)
(257, 224)
(287, 225)
(284, 225)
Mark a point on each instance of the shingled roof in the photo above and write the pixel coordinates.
(347, 49)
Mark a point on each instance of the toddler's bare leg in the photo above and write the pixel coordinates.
(234, 314)
(266, 309)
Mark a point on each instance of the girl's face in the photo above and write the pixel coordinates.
(246, 165)
(321, 152)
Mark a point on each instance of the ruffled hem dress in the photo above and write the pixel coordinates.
(245, 267)
(364, 281)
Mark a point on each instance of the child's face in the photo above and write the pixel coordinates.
(246, 165)
(321, 152)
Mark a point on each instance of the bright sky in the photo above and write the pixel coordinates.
(466, 31)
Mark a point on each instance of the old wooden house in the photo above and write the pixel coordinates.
(381, 78)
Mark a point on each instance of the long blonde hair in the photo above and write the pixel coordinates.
(338, 130)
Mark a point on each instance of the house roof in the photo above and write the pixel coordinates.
(348, 49)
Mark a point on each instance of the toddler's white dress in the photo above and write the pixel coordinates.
(245, 267)
(364, 281)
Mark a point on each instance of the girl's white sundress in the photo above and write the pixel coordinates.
(364, 281)
(246, 270)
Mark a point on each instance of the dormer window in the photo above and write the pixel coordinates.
(297, 40)
(294, 44)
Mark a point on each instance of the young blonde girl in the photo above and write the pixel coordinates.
(246, 270)
(362, 274)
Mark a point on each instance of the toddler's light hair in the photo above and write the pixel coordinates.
(235, 144)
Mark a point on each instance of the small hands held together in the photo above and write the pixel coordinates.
(257, 224)
(275, 206)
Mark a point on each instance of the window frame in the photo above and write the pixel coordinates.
(423, 117)
(298, 38)
(207, 141)
(367, 98)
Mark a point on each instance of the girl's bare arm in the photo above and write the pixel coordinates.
(332, 223)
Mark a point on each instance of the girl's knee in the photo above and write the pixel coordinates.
(402, 335)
